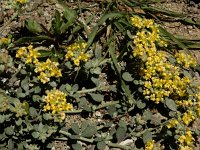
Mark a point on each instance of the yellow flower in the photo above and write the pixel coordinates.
(149, 145)
(43, 77)
(172, 123)
(181, 139)
(187, 138)
(76, 52)
(21, 52)
(188, 117)
(47, 69)
(77, 62)
(56, 103)
(69, 54)
(137, 21)
(4, 40)
(21, 1)
(185, 59)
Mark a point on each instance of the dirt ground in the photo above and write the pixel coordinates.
(43, 10)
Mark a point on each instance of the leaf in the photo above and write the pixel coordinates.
(75, 88)
(121, 133)
(36, 98)
(101, 145)
(18, 122)
(101, 21)
(89, 131)
(47, 116)
(74, 137)
(127, 76)
(125, 87)
(170, 104)
(141, 104)
(33, 112)
(56, 23)
(147, 115)
(9, 130)
(76, 146)
(37, 89)
(2, 118)
(35, 134)
(10, 144)
(111, 109)
(97, 70)
(75, 128)
(33, 39)
(33, 26)
(45, 53)
(70, 15)
(147, 136)
(25, 84)
(174, 39)
(97, 97)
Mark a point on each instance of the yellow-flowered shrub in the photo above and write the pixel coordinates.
(162, 79)
(56, 102)
(186, 138)
(76, 53)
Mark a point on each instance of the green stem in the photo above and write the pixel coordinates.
(107, 104)
(99, 107)
(78, 138)
(110, 144)
(87, 90)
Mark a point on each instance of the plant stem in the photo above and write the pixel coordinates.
(110, 144)
(107, 104)
(87, 91)
(78, 138)
(99, 107)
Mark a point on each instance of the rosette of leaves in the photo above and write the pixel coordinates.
(21, 125)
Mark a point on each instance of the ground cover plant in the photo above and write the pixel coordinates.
(113, 79)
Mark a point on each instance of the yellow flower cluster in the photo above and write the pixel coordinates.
(4, 41)
(185, 60)
(161, 77)
(21, 1)
(29, 54)
(185, 103)
(47, 69)
(186, 139)
(56, 102)
(188, 117)
(75, 52)
(149, 145)
(172, 123)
